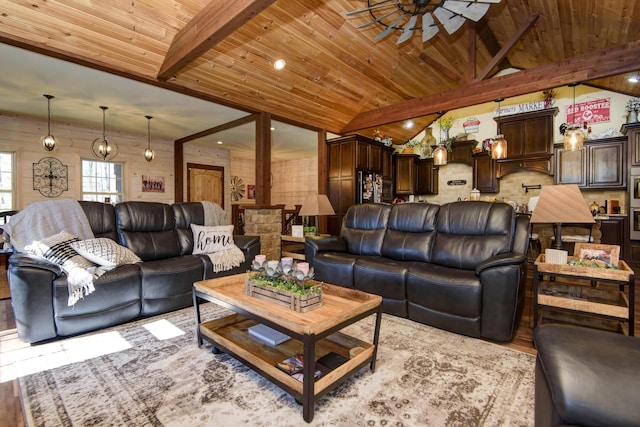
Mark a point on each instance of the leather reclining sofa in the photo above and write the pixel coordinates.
(459, 267)
(158, 233)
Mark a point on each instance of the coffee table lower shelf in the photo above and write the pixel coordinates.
(231, 335)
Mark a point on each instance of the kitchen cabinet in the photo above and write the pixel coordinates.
(614, 232)
(461, 152)
(632, 130)
(346, 155)
(485, 173)
(529, 141)
(601, 164)
(415, 176)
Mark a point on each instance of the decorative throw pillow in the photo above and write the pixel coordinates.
(57, 249)
(105, 252)
(208, 240)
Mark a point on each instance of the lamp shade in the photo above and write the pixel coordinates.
(499, 147)
(561, 204)
(573, 138)
(440, 156)
(317, 204)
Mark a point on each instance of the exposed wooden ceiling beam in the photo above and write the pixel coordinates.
(229, 125)
(490, 41)
(497, 58)
(617, 60)
(213, 24)
(447, 72)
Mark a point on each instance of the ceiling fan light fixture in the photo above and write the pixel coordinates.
(48, 141)
(573, 136)
(101, 147)
(148, 152)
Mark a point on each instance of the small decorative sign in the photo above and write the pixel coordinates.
(520, 108)
(471, 125)
(152, 184)
(597, 111)
(457, 182)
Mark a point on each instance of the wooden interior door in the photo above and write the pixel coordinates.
(205, 182)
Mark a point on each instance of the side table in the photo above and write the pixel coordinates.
(580, 298)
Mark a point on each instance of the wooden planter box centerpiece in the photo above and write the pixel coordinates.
(284, 285)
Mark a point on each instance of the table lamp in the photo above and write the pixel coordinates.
(316, 205)
(559, 204)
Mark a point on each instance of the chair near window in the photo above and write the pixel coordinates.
(5, 253)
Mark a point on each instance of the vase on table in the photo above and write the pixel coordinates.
(445, 135)
(633, 116)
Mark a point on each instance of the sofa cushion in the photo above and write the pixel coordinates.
(102, 218)
(410, 232)
(148, 229)
(105, 252)
(185, 214)
(335, 268)
(472, 232)
(364, 226)
(448, 290)
(385, 277)
(208, 240)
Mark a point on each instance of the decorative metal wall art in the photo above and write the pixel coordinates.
(50, 177)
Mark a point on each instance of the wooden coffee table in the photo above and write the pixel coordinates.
(314, 333)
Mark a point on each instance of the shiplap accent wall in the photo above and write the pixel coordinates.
(22, 136)
(292, 179)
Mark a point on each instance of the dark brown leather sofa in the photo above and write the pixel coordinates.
(460, 266)
(158, 233)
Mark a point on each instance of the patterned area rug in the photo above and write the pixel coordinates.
(152, 373)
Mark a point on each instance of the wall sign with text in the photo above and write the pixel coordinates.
(597, 111)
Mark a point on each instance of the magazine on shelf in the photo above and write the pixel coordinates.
(295, 364)
(267, 334)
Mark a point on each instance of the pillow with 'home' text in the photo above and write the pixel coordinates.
(208, 239)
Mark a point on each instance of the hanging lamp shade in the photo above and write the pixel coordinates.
(48, 141)
(499, 144)
(499, 147)
(440, 156)
(573, 136)
(101, 147)
(148, 152)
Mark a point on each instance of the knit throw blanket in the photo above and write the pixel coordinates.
(225, 259)
(42, 220)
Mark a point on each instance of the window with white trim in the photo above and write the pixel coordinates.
(7, 198)
(102, 181)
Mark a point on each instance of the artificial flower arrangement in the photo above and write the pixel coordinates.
(285, 283)
(381, 137)
(633, 104)
(446, 122)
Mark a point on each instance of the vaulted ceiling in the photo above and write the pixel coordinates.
(337, 77)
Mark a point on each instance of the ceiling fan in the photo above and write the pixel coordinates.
(398, 15)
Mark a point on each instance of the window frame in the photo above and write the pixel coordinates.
(12, 177)
(105, 196)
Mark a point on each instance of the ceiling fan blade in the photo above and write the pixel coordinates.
(375, 20)
(383, 3)
(390, 28)
(469, 10)
(429, 27)
(408, 30)
(450, 21)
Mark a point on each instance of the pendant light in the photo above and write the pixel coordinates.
(499, 144)
(101, 147)
(440, 153)
(148, 153)
(48, 141)
(573, 136)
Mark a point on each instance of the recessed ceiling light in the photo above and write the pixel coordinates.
(272, 128)
(279, 64)
(634, 78)
(219, 142)
(408, 124)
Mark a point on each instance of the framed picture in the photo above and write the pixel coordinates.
(608, 254)
(152, 184)
(251, 191)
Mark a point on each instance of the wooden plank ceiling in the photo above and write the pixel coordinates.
(337, 77)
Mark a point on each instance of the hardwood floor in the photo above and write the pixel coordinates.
(11, 412)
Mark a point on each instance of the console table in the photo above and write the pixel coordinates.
(576, 294)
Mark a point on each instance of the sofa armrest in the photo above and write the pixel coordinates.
(509, 258)
(26, 260)
(31, 282)
(245, 243)
(316, 244)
